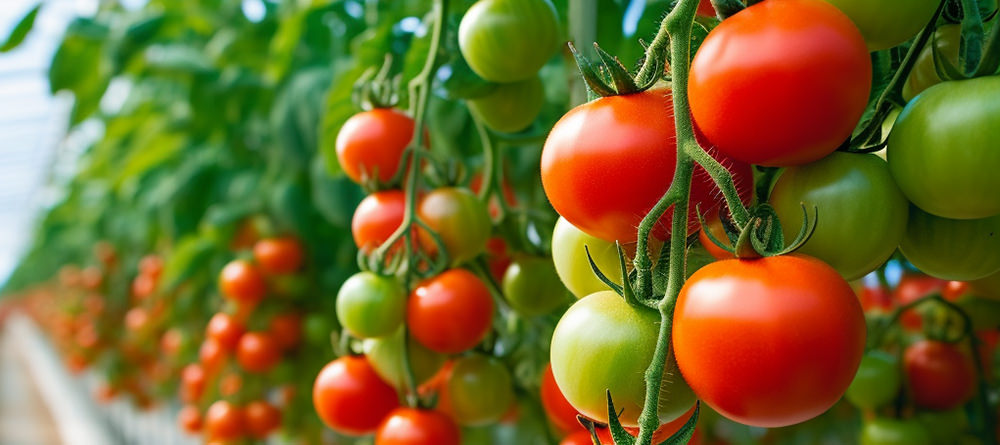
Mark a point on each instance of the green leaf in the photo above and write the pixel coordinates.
(80, 65)
(21, 30)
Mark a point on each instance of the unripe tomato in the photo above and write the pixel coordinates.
(938, 374)
(569, 254)
(480, 390)
(508, 40)
(458, 297)
(350, 397)
(887, 23)
(262, 419)
(877, 381)
(510, 107)
(459, 218)
(952, 249)
(603, 344)
(768, 342)
(894, 432)
(258, 352)
(370, 305)
(946, 42)
(413, 426)
(386, 356)
(226, 330)
(224, 421)
(377, 218)
(750, 77)
(532, 287)
(278, 255)
(371, 143)
(242, 282)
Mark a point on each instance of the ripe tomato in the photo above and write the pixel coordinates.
(603, 344)
(570, 258)
(913, 287)
(371, 143)
(705, 8)
(557, 408)
(607, 162)
(143, 286)
(278, 255)
(226, 330)
(457, 296)
(412, 426)
(946, 40)
(894, 432)
(230, 384)
(938, 374)
(714, 225)
(942, 149)
(480, 390)
(350, 397)
(532, 287)
(172, 341)
(258, 352)
(286, 329)
(852, 193)
(510, 107)
(952, 249)
(192, 383)
(750, 78)
(370, 305)
(768, 342)
(377, 218)
(189, 419)
(151, 265)
(212, 355)
(578, 438)
(877, 381)
(224, 421)
(386, 356)
(459, 218)
(262, 419)
(508, 40)
(242, 282)
(887, 23)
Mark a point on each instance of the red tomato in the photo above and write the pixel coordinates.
(172, 341)
(372, 143)
(151, 266)
(558, 409)
(286, 329)
(278, 255)
(607, 162)
(377, 218)
(939, 375)
(578, 438)
(91, 278)
(224, 421)
(212, 355)
(705, 8)
(768, 342)
(498, 257)
(224, 329)
(350, 397)
(189, 419)
(912, 288)
(875, 298)
(192, 383)
(230, 384)
(137, 320)
(714, 225)
(143, 286)
(411, 426)
(457, 296)
(262, 419)
(242, 282)
(780, 83)
(955, 290)
(258, 352)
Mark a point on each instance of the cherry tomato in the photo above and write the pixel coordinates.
(911, 288)
(938, 374)
(370, 305)
(262, 419)
(952, 249)
(603, 344)
(412, 426)
(877, 381)
(955, 290)
(510, 107)
(887, 23)
(386, 356)
(459, 218)
(377, 218)
(458, 296)
(286, 329)
(714, 225)
(532, 287)
(768, 342)
(480, 390)
(569, 254)
(242, 282)
(578, 438)
(226, 330)
(192, 383)
(508, 40)
(189, 419)
(350, 397)
(371, 143)
(750, 77)
(230, 384)
(894, 432)
(498, 257)
(224, 421)
(278, 255)
(258, 352)
(212, 355)
(557, 408)
(151, 266)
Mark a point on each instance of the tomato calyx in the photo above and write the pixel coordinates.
(376, 89)
(611, 78)
(761, 236)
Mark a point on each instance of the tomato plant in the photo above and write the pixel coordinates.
(258, 352)
(369, 305)
(479, 390)
(386, 357)
(262, 419)
(225, 330)
(510, 107)
(224, 421)
(456, 295)
(877, 381)
(351, 398)
(887, 23)
(278, 255)
(242, 282)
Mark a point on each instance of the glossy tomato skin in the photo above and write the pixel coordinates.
(851, 194)
(459, 218)
(603, 344)
(377, 218)
(480, 390)
(373, 141)
(411, 426)
(607, 162)
(262, 419)
(350, 397)
(578, 438)
(894, 432)
(386, 356)
(557, 408)
(278, 255)
(569, 254)
(938, 375)
(532, 287)
(946, 39)
(370, 305)
(225, 329)
(942, 149)
(877, 381)
(258, 352)
(510, 107)
(242, 282)
(887, 23)
(224, 421)
(768, 342)
(952, 249)
(508, 40)
(457, 296)
(751, 77)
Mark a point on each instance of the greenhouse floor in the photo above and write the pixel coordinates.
(24, 417)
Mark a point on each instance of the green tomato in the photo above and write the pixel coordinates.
(988, 287)
(952, 249)
(532, 287)
(877, 382)
(604, 344)
(369, 305)
(480, 390)
(317, 327)
(386, 356)
(570, 258)
(943, 149)
(508, 40)
(459, 218)
(894, 432)
(852, 193)
(924, 75)
(887, 23)
(510, 107)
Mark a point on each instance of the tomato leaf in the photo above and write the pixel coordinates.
(20, 31)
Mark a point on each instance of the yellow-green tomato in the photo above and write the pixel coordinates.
(386, 356)
(852, 193)
(894, 432)
(887, 23)
(570, 258)
(510, 107)
(508, 40)
(952, 249)
(480, 390)
(603, 344)
(369, 305)
(532, 287)
(877, 382)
